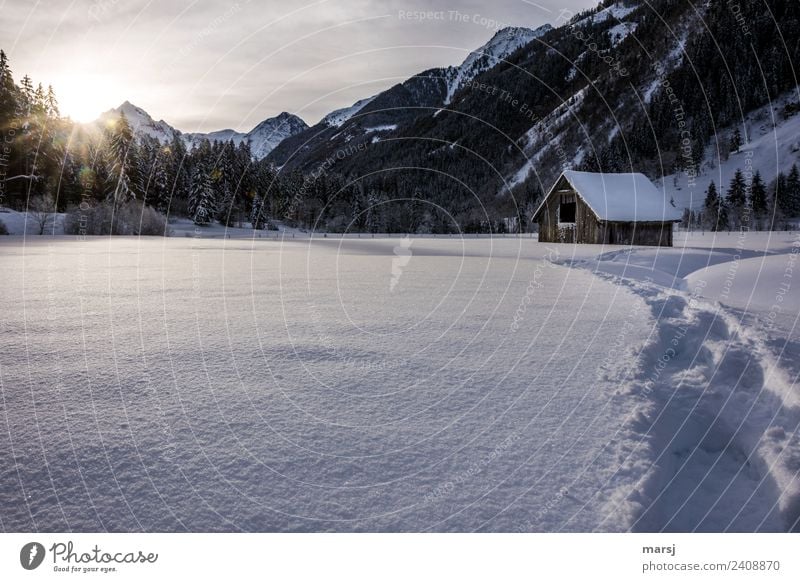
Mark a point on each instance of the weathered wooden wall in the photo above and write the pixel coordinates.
(636, 233)
(586, 226)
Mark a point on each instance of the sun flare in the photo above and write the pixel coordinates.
(83, 97)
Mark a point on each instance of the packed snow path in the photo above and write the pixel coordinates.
(715, 405)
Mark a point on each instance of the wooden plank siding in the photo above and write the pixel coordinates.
(588, 229)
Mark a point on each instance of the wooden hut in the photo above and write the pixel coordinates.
(615, 209)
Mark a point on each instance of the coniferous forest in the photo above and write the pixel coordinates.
(447, 169)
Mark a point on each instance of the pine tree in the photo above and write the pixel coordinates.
(791, 197)
(161, 189)
(8, 92)
(714, 211)
(26, 87)
(776, 195)
(758, 199)
(358, 218)
(257, 215)
(225, 183)
(121, 160)
(153, 172)
(736, 141)
(177, 175)
(51, 103)
(201, 196)
(39, 100)
(686, 219)
(737, 198)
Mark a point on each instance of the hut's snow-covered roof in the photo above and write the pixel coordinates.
(620, 197)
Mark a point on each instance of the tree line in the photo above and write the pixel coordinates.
(110, 180)
(749, 206)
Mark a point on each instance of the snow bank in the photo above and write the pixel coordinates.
(756, 284)
(22, 223)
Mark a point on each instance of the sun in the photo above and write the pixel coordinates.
(83, 97)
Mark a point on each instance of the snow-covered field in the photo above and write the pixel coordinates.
(387, 384)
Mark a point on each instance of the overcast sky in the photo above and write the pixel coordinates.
(204, 65)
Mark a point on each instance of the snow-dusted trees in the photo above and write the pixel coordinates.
(376, 211)
(122, 161)
(41, 210)
(783, 199)
(153, 165)
(791, 198)
(29, 158)
(202, 203)
(737, 200)
(715, 214)
(735, 143)
(258, 213)
(758, 200)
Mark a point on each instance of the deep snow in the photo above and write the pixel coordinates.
(329, 384)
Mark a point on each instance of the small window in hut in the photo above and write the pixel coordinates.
(566, 212)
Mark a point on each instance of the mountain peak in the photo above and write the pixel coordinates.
(282, 117)
(141, 122)
(338, 117)
(504, 42)
(263, 138)
(513, 31)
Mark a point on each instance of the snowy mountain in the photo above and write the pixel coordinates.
(581, 96)
(398, 106)
(338, 117)
(772, 145)
(141, 122)
(263, 138)
(501, 45)
(266, 136)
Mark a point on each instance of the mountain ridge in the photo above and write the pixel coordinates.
(398, 105)
(262, 138)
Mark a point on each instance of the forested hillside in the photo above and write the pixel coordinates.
(671, 88)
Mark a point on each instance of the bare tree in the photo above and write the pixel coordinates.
(41, 209)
